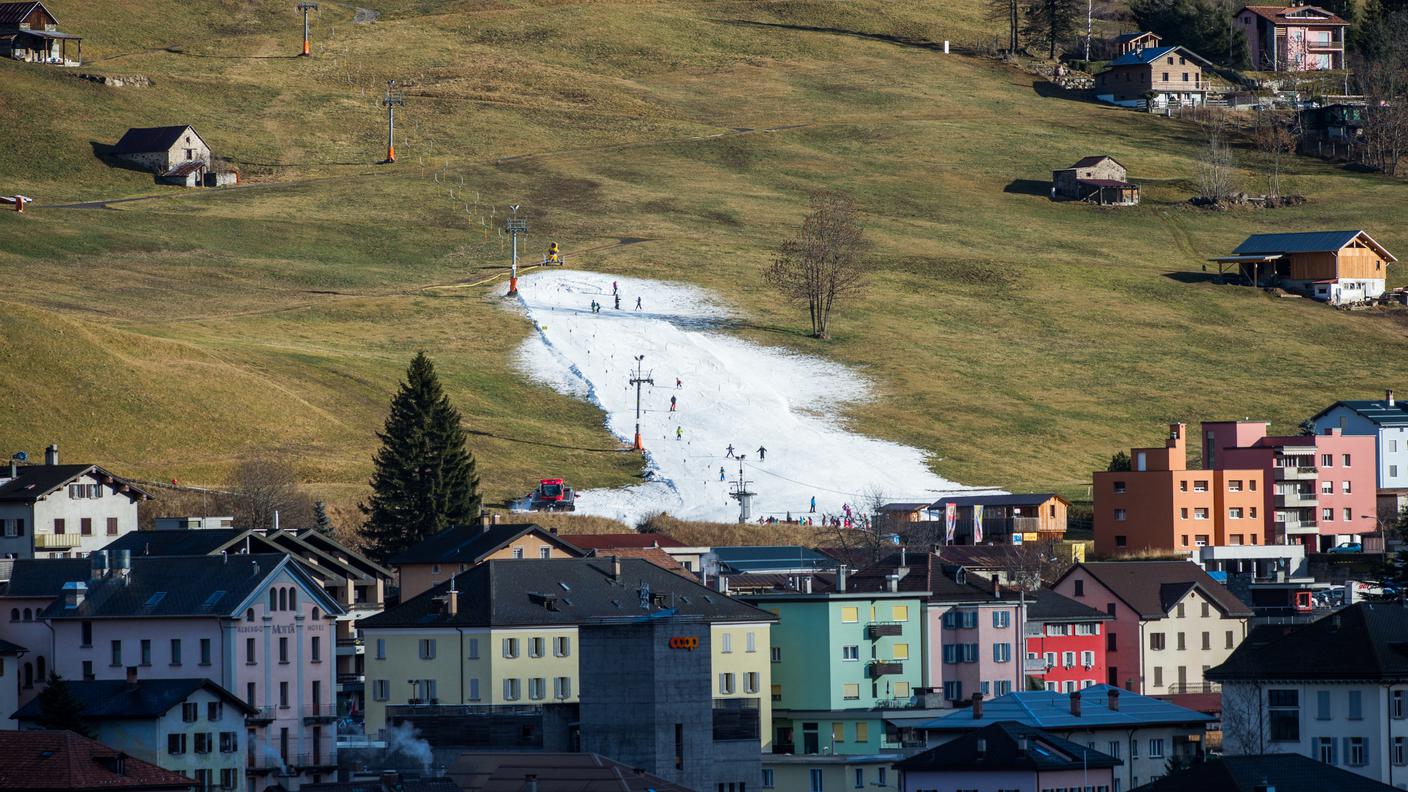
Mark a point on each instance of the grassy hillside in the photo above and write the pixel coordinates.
(1021, 341)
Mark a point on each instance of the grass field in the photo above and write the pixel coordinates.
(1021, 341)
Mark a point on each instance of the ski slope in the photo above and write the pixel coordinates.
(732, 392)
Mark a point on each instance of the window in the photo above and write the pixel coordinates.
(751, 682)
(1113, 748)
(381, 690)
(1001, 687)
(1325, 749)
(561, 646)
(775, 654)
(899, 651)
(1400, 755)
(1234, 485)
(58, 525)
(203, 780)
(726, 683)
(1156, 641)
(537, 647)
(838, 731)
(203, 743)
(953, 691)
(1182, 644)
(283, 695)
(283, 650)
(517, 552)
(511, 689)
(1207, 641)
(1327, 514)
(1087, 659)
(1357, 753)
(777, 692)
(1200, 514)
(1347, 514)
(85, 526)
(1183, 513)
(1183, 486)
(1156, 748)
(381, 648)
(86, 629)
(850, 691)
(850, 615)
(229, 777)
(1398, 704)
(1231, 640)
(205, 651)
(87, 670)
(1283, 710)
(175, 743)
(1158, 676)
(562, 687)
(1079, 585)
(726, 643)
(315, 650)
(175, 651)
(1322, 705)
(229, 742)
(750, 642)
(1327, 487)
(117, 653)
(537, 688)
(1234, 513)
(1001, 619)
(1119, 515)
(814, 780)
(850, 653)
(544, 552)
(1344, 460)
(1327, 460)
(769, 780)
(1200, 486)
(510, 648)
(1119, 487)
(190, 712)
(1002, 652)
(881, 773)
(862, 731)
(1356, 705)
(249, 651)
(859, 775)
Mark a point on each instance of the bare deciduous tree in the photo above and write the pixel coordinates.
(868, 534)
(1276, 133)
(824, 262)
(264, 486)
(1031, 565)
(1217, 171)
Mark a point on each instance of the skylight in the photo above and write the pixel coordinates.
(212, 599)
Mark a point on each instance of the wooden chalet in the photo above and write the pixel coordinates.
(30, 32)
(1337, 267)
(1133, 42)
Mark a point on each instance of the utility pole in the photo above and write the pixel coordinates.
(391, 100)
(637, 380)
(515, 226)
(305, 6)
(742, 494)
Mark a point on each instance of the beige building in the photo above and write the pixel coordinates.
(455, 550)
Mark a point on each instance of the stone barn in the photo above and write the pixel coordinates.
(176, 154)
(1098, 179)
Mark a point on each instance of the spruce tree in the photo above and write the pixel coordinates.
(424, 478)
(320, 518)
(60, 709)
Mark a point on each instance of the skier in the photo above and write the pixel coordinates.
(721, 473)
(679, 432)
(813, 509)
(729, 453)
(618, 301)
(637, 303)
(762, 453)
(615, 290)
(672, 404)
(678, 383)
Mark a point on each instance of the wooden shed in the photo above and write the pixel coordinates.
(30, 32)
(1332, 266)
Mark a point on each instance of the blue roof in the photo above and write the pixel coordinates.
(1145, 55)
(1304, 242)
(1048, 709)
(771, 558)
(1376, 411)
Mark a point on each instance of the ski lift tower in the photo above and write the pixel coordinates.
(639, 379)
(305, 7)
(391, 100)
(514, 226)
(739, 491)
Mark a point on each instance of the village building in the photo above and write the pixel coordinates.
(1337, 267)
(1154, 77)
(1296, 37)
(1133, 42)
(1099, 179)
(1171, 622)
(30, 32)
(1385, 420)
(27, 587)
(438, 558)
(1065, 642)
(176, 154)
(1002, 519)
(10, 655)
(1282, 772)
(61, 761)
(53, 510)
(1009, 755)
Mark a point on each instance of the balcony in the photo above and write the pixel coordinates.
(1295, 528)
(1294, 473)
(876, 630)
(320, 713)
(1178, 689)
(261, 715)
(879, 668)
(349, 646)
(44, 541)
(1295, 500)
(1034, 665)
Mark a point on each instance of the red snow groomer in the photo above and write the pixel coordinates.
(553, 495)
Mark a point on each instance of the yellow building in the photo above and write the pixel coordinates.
(505, 633)
(453, 550)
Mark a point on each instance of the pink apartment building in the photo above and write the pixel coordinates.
(256, 625)
(1297, 37)
(1321, 489)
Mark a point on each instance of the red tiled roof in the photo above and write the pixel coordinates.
(35, 761)
(654, 555)
(616, 541)
(1277, 15)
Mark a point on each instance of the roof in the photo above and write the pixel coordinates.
(61, 760)
(15, 13)
(185, 586)
(1277, 14)
(1364, 641)
(1147, 55)
(654, 555)
(1110, 183)
(928, 576)
(1048, 709)
(1306, 242)
(549, 591)
(555, 772)
(771, 558)
(1046, 605)
(1086, 162)
(618, 540)
(195, 541)
(1123, 37)
(331, 548)
(43, 577)
(37, 481)
(1152, 588)
(186, 168)
(377, 784)
(1007, 745)
(115, 699)
(1376, 411)
(1013, 499)
(469, 544)
(140, 140)
(903, 507)
(1283, 772)
(7, 648)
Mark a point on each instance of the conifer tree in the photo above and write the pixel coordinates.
(424, 478)
(320, 518)
(60, 709)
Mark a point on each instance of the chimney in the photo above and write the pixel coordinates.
(982, 748)
(1114, 694)
(615, 567)
(809, 584)
(452, 602)
(122, 564)
(131, 676)
(892, 583)
(553, 531)
(74, 592)
(530, 783)
(903, 555)
(484, 523)
(390, 779)
(51, 454)
(14, 469)
(1075, 703)
(494, 519)
(996, 587)
(841, 578)
(977, 706)
(1388, 396)
(97, 564)
(723, 584)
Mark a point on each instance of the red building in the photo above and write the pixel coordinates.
(1065, 643)
(1321, 489)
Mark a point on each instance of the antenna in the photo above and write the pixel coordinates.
(741, 493)
(391, 100)
(515, 225)
(305, 6)
(638, 380)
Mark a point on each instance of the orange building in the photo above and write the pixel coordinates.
(1159, 504)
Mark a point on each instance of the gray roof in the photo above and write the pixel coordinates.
(1376, 411)
(523, 592)
(553, 772)
(1147, 55)
(767, 558)
(1047, 709)
(1283, 772)
(185, 586)
(1048, 606)
(36, 481)
(1364, 641)
(144, 140)
(7, 648)
(1306, 242)
(14, 13)
(43, 577)
(1013, 499)
(1152, 588)
(1007, 745)
(469, 544)
(115, 699)
(194, 541)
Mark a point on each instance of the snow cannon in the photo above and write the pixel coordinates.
(552, 256)
(553, 495)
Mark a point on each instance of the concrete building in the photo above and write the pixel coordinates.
(27, 587)
(1065, 642)
(1320, 488)
(1009, 755)
(49, 761)
(426, 565)
(1171, 622)
(10, 655)
(1159, 504)
(255, 625)
(1335, 690)
(1386, 421)
(1144, 733)
(53, 510)
(1295, 37)
(190, 725)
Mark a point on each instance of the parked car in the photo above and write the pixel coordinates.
(1348, 547)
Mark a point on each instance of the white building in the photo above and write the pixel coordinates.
(53, 510)
(1386, 420)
